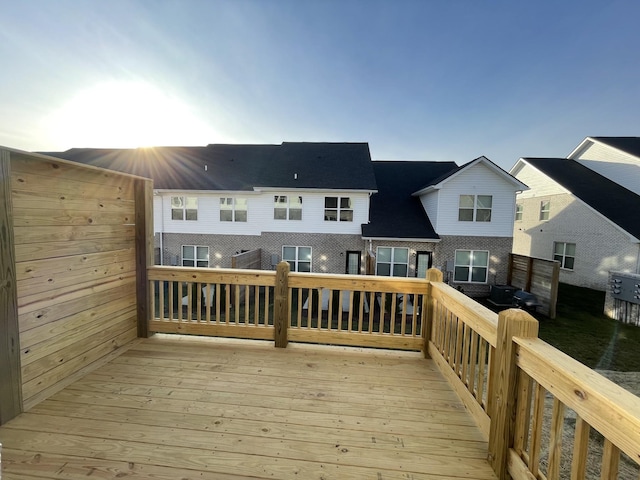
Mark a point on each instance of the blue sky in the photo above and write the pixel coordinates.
(418, 80)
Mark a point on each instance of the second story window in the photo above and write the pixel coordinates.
(475, 208)
(519, 210)
(338, 208)
(545, 208)
(184, 208)
(233, 209)
(287, 207)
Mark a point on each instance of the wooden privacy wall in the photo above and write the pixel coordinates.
(537, 276)
(75, 266)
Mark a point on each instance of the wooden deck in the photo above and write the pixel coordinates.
(187, 408)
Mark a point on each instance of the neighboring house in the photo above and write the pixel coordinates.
(325, 207)
(460, 219)
(577, 216)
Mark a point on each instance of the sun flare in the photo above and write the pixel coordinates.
(126, 115)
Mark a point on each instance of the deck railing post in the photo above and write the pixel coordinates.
(511, 323)
(433, 275)
(281, 305)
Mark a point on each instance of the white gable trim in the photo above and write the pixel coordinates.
(519, 186)
(590, 140)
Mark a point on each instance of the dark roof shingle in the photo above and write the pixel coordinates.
(394, 212)
(603, 195)
(342, 166)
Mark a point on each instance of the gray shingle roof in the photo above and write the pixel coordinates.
(394, 212)
(612, 200)
(343, 166)
(630, 145)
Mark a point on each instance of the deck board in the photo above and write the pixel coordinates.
(186, 408)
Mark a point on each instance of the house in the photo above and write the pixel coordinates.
(458, 219)
(578, 212)
(325, 207)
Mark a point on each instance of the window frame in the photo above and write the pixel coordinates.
(195, 260)
(393, 262)
(336, 213)
(287, 207)
(471, 266)
(184, 208)
(519, 212)
(234, 209)
(297, 261)
(562, 257)
(545, 213)
(475, 208)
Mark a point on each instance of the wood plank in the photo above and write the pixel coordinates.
(213, 276)
(61, 233)
(211, 329)
(555, 441)
(35, 270)
(39, 313)
(144, 251)
(374, 340)
(580, 450)
(26, 217)
(10, 381)
(36, 251)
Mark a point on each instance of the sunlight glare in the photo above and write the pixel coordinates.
(126, 115)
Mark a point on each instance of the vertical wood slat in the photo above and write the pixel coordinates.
(610, 461)
(536, 430)
(523, 413)
(10, 370)
(161, 299)
(473, 361)
(433, 275)
(555, 441)
(207, 303)
(143, 197)
(171, 301)
(580, 450)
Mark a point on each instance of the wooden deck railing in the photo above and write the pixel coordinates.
(499, 368)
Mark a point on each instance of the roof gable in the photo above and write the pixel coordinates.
(439, 182)
(608, 198)
(343, 166)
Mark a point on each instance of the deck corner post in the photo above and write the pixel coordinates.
(143, 195)
(504, 372)
(433, 275)
(281, 305)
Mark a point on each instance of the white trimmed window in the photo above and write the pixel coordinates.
(233, 209)
(299, 258)
(392, 261)
(519, 210)
(545, 208)
(475, 208)
(338, 208)
(471, 266)
(565, 253)
(287, 207)
(184, 208)
(195, 256)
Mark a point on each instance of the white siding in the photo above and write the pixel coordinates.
(430, 205)
(260, 215)
(539, 184)
(609, 162)
(157, 213)
(476, 180)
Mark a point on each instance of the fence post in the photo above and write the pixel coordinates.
(281, 305)
(504, 373)
(433, 275)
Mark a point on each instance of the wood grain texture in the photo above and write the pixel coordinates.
(10, 381)
(178, 407)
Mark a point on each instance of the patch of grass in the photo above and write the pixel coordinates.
(584, 332)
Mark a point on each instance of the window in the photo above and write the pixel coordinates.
(195, 256)
(565, 253)
(287, 207)
(471, 266)
(392, 261)
(233, 209)
(184, 208)
(338, 208)
(545, 208)
(299, 258)
(475, 208)
(519, 210)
